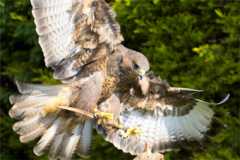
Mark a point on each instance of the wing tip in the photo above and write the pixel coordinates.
(225, 99)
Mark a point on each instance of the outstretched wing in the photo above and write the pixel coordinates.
(160, 132)
(159, 121)
(70, 32)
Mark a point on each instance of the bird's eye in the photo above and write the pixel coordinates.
(135, 66)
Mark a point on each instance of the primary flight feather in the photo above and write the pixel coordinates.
(103, 85)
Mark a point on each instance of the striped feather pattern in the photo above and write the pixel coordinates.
(72, 27)
(60, 134)
(160, 133)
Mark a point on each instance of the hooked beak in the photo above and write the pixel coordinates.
(140, 73)
(144, 84)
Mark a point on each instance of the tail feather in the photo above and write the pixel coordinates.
(16, 98)
(86, 137)
(60, 133)
(32, 135)
(56, 146)
(32, 127)
(27, 125)
(47, 138)
(25, 88)
(28, 106)
(72, 143)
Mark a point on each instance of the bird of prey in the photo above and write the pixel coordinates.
(104, 86)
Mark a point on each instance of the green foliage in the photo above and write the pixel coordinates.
(192, 44)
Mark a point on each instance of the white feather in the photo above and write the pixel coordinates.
(29, 107)
(161, 132)
(47, 137)
(49, 3)
(72, 143)
(52, 11)
(27, 125)
(56, 146)
(86, 137)
(26, 88)
(32, 135)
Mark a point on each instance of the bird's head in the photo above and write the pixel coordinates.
(134, 64)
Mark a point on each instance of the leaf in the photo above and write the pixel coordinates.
(219, 13)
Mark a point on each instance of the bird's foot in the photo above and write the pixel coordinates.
(107, 118)
(133, 131)
(103, 117)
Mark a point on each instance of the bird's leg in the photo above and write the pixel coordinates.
(78, 111)
(102, 117)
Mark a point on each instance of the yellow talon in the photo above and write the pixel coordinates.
(107, 118)
(133, 132)
(103, 115)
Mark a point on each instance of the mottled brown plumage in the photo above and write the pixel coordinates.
(103, 85)
(158, 95)
(81, 42)
(160, 119)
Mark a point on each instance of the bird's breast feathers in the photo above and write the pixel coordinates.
(109, 85)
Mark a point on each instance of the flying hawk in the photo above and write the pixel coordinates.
(104, 85)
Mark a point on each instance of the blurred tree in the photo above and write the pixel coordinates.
(192, 44)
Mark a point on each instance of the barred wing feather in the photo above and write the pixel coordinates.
(70, 30)
(160, 133)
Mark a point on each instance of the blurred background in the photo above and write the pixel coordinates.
(194, 44)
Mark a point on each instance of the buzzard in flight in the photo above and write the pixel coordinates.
(105, 86)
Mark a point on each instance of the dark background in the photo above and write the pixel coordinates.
(193, 44)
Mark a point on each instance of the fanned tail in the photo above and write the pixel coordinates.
(37, 100)
(59, 131)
